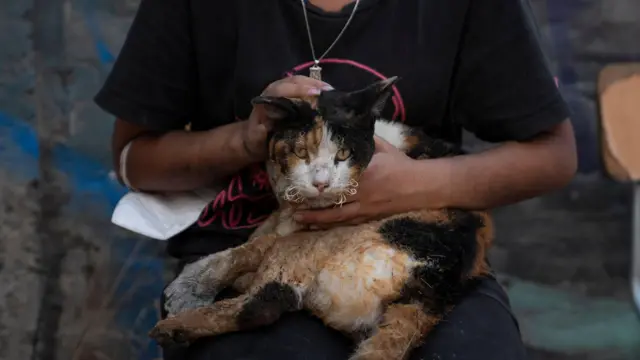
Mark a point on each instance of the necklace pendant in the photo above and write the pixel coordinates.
(315, 72)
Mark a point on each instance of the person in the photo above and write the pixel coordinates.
(181, 91)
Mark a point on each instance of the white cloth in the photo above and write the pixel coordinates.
(160, 216)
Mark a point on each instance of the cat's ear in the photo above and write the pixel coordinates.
(383, 90)
(276, 108)
(372, 99)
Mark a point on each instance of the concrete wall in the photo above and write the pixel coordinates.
(72, 286)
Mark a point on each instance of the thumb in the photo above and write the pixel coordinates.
(266, 124)
(381, 145)
(261, 119)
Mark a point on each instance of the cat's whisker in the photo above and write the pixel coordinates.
(342, 198)
(426, 283)
(351, 188)
(292, 193)
(298, 198)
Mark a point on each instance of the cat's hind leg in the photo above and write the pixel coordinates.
(199, 282)
(402, 329)
(260, 307)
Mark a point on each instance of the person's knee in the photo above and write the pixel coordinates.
(296, 335)
(479, 328)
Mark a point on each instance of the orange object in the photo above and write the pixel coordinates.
(619, 93)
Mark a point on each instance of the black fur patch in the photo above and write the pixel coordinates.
(449, 250)
(268, 305)
(428, 147)
(351, 125)
(301, 119)
(359, 142)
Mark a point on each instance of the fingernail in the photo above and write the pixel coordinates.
(314, 91)
(327, 88)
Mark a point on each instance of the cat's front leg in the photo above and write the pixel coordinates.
(190, 325)
(402, 329)
(199, 282)
(195, 286)
(262, 306)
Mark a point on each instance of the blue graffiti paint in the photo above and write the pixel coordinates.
(102, 49)
(19, 152)
(85, 175)
(104, 54)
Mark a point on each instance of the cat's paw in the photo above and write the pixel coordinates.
(197, 285)
(171, 332)
(185, 293)
(181, 296)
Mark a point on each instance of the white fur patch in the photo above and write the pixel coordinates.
(394, 133)
(351, 294)
(379, 262)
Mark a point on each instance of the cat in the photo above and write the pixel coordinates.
(385, 283)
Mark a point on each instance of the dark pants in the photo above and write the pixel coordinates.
(481, 327)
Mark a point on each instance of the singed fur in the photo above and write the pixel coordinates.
(386, 283)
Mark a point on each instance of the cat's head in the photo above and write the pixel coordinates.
(320, 146)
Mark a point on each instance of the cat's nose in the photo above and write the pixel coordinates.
(320, 185)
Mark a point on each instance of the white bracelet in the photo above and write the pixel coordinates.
(124, 155)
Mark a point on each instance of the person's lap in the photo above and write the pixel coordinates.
(480, 327)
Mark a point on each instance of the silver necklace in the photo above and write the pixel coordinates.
(315, 71)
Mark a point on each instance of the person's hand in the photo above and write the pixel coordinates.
(383, 190)
(255, 128)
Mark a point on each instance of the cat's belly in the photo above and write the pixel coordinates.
(351, 289)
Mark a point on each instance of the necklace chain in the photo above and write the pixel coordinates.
(313, 51)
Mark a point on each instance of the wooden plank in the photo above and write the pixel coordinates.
(619, 94)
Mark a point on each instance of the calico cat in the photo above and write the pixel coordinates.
(386, 283)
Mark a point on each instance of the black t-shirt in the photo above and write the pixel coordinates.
(464, 64)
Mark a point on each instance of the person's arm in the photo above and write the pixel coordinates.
(153, 91)
(503, 175)
(504, 93)
(179, 160)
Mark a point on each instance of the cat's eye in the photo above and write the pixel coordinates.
(301, 152)
(343, 154)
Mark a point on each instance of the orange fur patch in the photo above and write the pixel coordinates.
(411, 142)
(401, 330)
